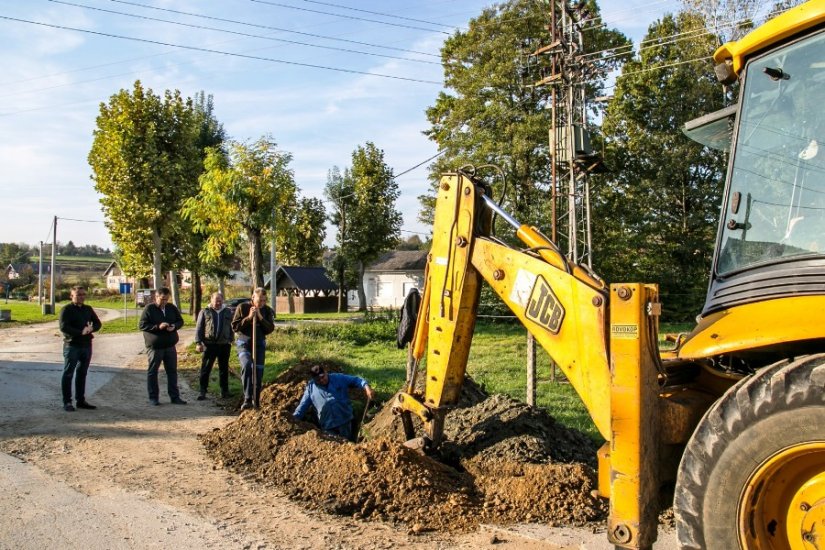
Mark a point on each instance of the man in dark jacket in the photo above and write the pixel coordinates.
(77, 323)
(160, 323)
(260, 316)
(213, 337)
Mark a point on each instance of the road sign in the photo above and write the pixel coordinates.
(125, 288)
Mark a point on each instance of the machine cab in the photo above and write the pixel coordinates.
(771, 241)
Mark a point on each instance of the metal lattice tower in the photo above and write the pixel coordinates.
(572, 158)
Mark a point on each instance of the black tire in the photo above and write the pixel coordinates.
(779, 408)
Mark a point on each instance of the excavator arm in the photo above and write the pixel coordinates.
(566, 308)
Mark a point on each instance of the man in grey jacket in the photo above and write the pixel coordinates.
(160, 323)
(213, 337)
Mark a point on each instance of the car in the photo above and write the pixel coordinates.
(235, 302)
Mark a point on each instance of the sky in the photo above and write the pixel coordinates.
(320, 77)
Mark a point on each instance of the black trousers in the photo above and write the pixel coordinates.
(169, 358)
(210, 354)
(75, 364)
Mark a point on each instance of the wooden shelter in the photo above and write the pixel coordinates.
(304, 290)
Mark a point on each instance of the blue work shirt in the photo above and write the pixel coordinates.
(331, 401)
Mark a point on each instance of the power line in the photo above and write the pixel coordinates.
(279, 29)
(408, 170)
(277, 4)
(238, 33)
(231, 54)
(376, 13)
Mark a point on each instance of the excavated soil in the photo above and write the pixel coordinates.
(503, 462)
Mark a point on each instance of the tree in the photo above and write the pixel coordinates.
(413, 242)
(14, 253)
(374, 223)
(303, 243)
(340, 190)
(211, 134)
(656, 214)
(242, 199)
(69, 249)
(725, 19)
(143, 156)
(489, 115)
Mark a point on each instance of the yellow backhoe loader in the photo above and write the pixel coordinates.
(734, 416)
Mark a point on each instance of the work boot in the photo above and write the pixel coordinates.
(225, 394)
(246, 405)
(85, 405)
(201, 396)
(68, 407)
(178, 401)
(154, 402)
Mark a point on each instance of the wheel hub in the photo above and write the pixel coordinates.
(783, 504)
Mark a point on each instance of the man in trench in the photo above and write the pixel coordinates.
(329, 394)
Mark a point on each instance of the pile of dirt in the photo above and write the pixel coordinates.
(507, 463)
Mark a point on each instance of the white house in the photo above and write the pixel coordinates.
(389, 279)
(114, 276)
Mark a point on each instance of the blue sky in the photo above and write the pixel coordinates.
(53, 80)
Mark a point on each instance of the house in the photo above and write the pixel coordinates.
(304, 290)
(114, 277)
(15, 271)
(388, 280)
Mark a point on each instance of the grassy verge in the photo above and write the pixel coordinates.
(25, 313)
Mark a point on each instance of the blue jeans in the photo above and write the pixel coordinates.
(244, 347)
(169, 358)
(76, 361)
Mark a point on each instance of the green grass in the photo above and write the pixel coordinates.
(102, 260)
(25, 313)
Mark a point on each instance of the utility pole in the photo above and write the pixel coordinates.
(563, 66)
(54, 257)
(40, 278)
(273, 295)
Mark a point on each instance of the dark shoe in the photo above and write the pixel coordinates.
(68, 407)
(246, 405)
(85, 405)
(178, 401)
(154, 402)
(201, 397)
(225, 395)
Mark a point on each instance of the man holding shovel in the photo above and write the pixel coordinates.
(251, 323)
(329, 394)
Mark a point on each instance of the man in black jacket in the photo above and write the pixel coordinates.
(160, 323)
(213, 337)
(77, 323)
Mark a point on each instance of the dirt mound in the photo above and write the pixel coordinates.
(510, 463)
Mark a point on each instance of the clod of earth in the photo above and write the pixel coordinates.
(504, 462)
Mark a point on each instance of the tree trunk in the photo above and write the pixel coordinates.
(197, 294)
(157, 274)
(362, 296)
(256, 259)
(222, 286)
(173, 284)
(342, 296)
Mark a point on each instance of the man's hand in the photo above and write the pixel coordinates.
(164, 326)
(199, 347)
(370, 393)
(88, 329)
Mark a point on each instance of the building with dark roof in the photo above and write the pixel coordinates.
(304, 290)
